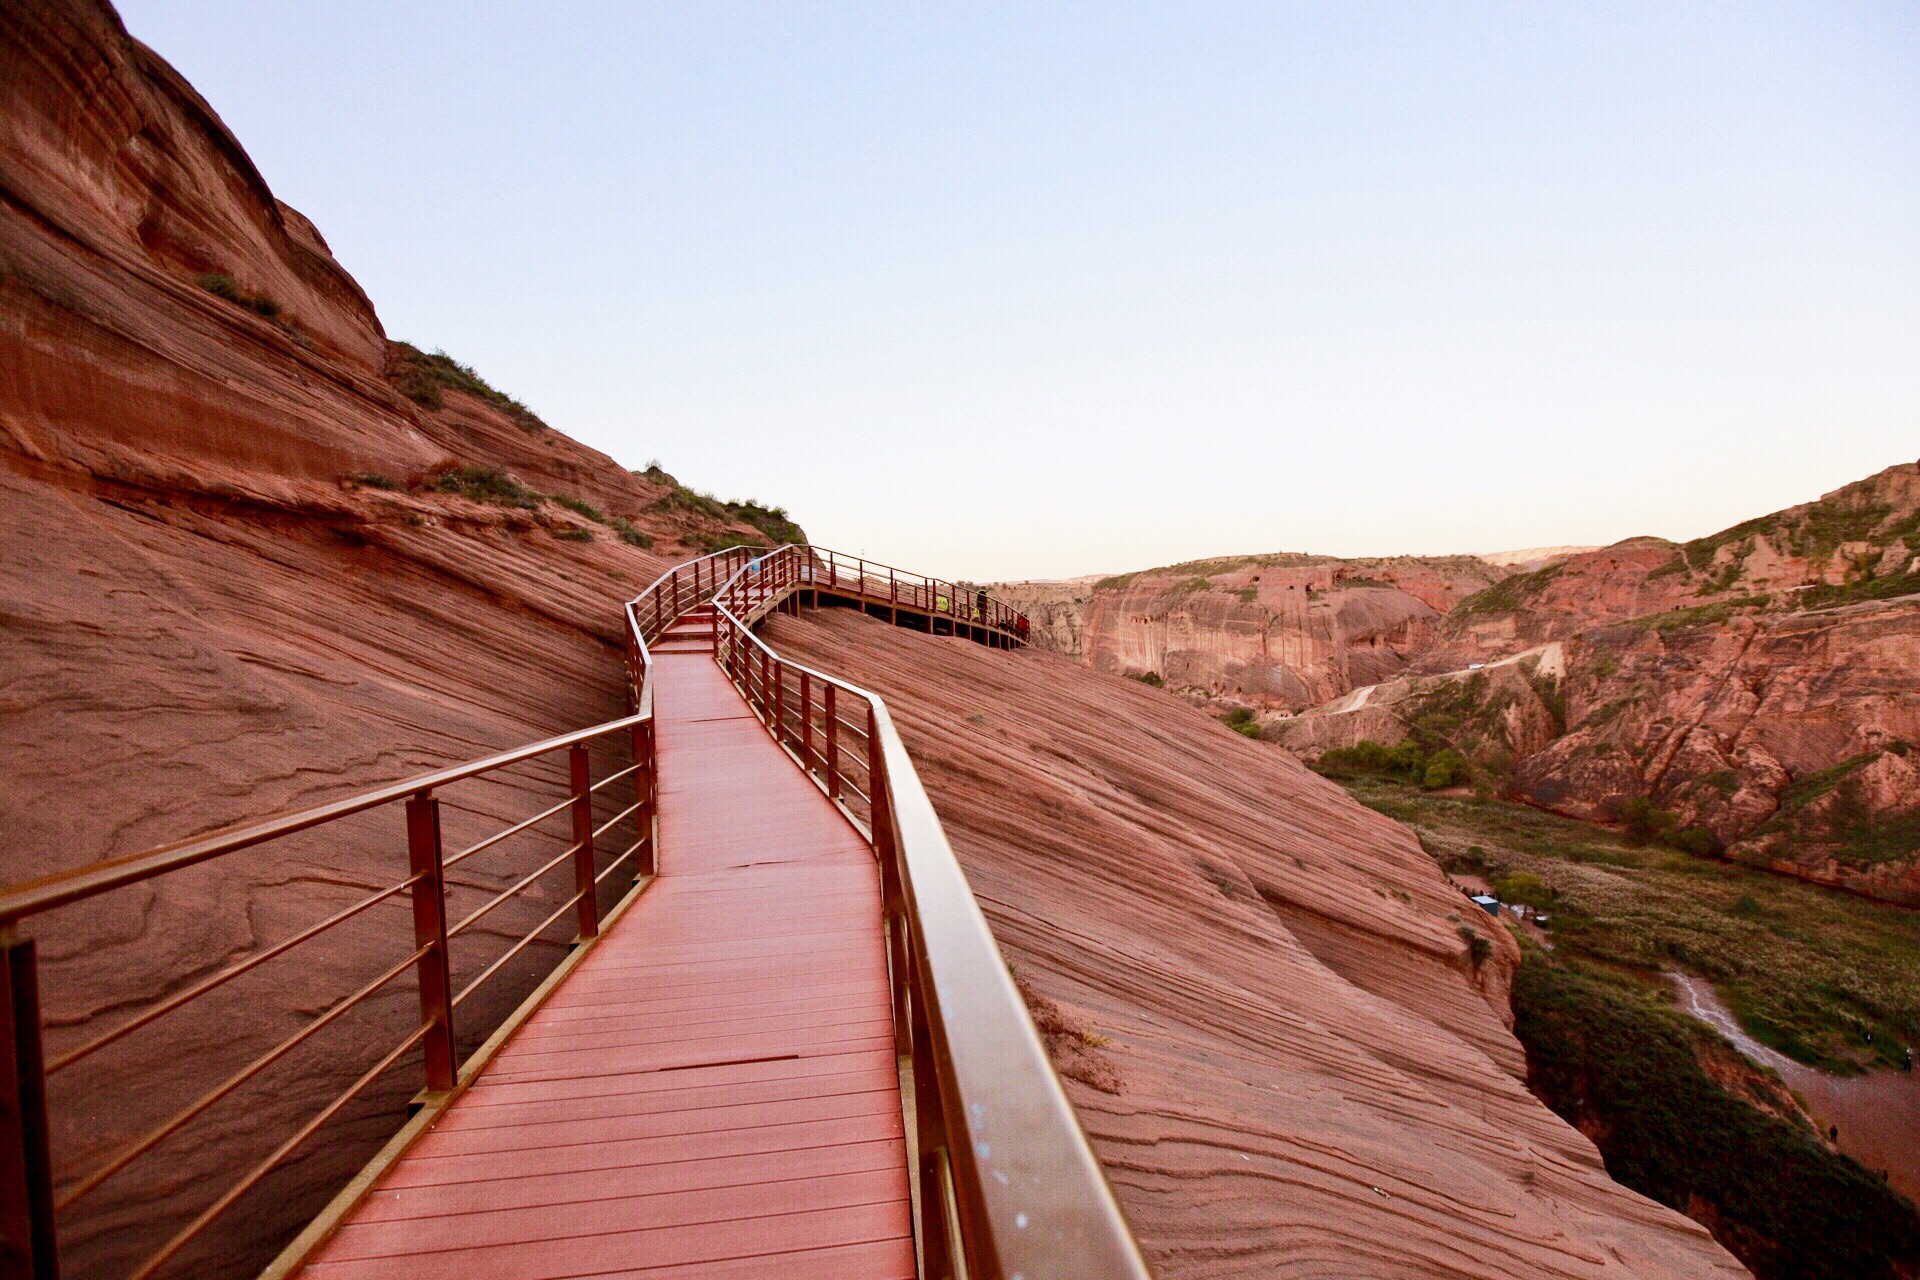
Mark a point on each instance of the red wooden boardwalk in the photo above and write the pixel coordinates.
(713, 1092)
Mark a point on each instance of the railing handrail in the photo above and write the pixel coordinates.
(29, 1201)
(64, 887)
(1030, 1189)
(877, 571)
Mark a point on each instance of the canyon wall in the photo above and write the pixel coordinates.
(1761, 686)
(1276, 631)
(257, 557)
(1263, 996)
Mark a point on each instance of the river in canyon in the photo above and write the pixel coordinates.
(1878, 1113)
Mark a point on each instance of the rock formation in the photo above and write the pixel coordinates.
(247, 569)
(1263, 996)
(1280, 631)
(1762, 685)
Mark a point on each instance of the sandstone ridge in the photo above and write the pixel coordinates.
(1260, 993)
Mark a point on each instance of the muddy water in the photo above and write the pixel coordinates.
(1878, 1114)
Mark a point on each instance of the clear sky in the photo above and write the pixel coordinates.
(1040, 289)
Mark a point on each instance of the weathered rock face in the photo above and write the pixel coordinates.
(1289, 1062)
(1777, 723)
(233, 585)
(1787, 738)
(1280, 631)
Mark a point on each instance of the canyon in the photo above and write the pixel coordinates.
(260, 555)
(1756, 685)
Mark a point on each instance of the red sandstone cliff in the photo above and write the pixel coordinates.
(206, 617)
(1258, 990)
(1283, 631)
(1763, 684)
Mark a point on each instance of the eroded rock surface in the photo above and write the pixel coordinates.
(243, 573)
(1297, 1068)
(1280, 631)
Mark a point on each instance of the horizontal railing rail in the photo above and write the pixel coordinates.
(1004, 1181)
(835, 572)
(35, 1193)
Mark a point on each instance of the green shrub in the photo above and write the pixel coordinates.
(224, 286)
(772, 521)
(1443, 769)
(1151, 678)
(423, 377)
(1617, 1064)
(630, 535)
(574, 535)
(1479, 948)
(1645, 823)
(579, 507)
(371, 480)
(220, 286)
(1523, 886)
(1244, 722)
(485, 484)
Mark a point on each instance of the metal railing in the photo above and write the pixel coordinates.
(1004, 1181)
(834, 573)
(35, 1194)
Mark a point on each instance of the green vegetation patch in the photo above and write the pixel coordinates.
(630, 535)
(1509, 595)
(424, 378)
(1151, 678)
(224, 286)
(1806, 969)
(579, 507)
(1701, 615)
(1243, 721)
(772, 521)
(1676, 565)
(485, 484)
(1864, 586)
(1406, 761)
(1613, 1060)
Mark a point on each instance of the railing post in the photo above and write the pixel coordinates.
(880, 819)
(779, 703)
(580, 779)
(645, 863)
(430, 931)
(833, 746)
(28, 1245)
(806, 722)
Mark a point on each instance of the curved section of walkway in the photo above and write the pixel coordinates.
(714, 1091)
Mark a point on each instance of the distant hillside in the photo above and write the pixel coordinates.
(1758, 688)
(1283, 630)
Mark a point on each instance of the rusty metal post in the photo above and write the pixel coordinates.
(806, 721)
(779, 704)
(879, 817)
(645, 861)
(28, 1246)
(580, 779)
(430, 930)
(833, 746)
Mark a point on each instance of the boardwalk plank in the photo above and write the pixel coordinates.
(712, 1093)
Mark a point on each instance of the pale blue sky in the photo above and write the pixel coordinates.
(1043, 289)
